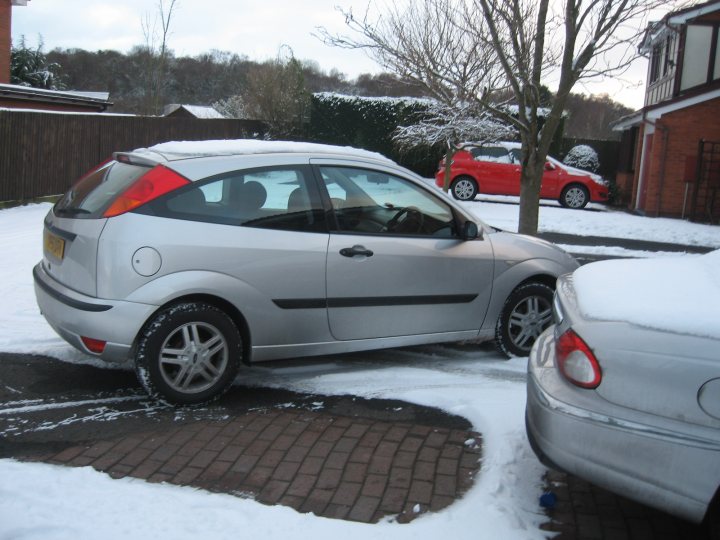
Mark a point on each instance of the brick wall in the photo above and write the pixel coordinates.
(677, 135)
(5, 42)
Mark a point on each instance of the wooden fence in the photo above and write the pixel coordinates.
(42, 154)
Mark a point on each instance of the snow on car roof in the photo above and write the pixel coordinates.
(184, 149)
(675, 294)
(509, 145)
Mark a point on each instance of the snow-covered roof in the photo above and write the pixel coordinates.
(627, 122)
(183, 149)
(95, 98)
(198, 111)
(19, 93)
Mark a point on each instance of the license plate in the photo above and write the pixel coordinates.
(54, 245)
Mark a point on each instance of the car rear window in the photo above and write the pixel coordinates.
(95, 191)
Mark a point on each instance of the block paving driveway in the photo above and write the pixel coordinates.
(339, 457)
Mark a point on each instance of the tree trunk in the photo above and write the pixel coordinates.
(530, 181)
(448, 162)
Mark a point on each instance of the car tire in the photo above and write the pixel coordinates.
(574, 196)
(711, 523)
(464, 188)
(188, 353)
(526, 314)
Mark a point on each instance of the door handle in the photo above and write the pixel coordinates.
(355, 251)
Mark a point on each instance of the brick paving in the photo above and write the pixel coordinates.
(584, 511)
(333, 466)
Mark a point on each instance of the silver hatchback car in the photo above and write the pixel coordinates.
(191, 258)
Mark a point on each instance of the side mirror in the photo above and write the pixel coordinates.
(549, 166)
(470, 231)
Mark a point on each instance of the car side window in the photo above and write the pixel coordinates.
(373, 202)
(271, 198)
(496, 154)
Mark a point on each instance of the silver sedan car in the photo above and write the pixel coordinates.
(630, 408)
(192, 258)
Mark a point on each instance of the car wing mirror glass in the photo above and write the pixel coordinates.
(471, 231)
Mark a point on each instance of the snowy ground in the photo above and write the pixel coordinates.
(44, 502)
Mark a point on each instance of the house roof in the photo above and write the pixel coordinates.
(682, 16)
(658, 29)
(97, 100)
(198, 111)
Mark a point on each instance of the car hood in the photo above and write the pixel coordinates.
(577, 172)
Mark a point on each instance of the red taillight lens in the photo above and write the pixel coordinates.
(156, 182)
(576, 361)
(94, 345)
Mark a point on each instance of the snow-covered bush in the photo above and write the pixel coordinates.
(583, 157)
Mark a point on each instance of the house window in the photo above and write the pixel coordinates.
(716, 70)
(669, 53)
(655, 63)
(696, 60)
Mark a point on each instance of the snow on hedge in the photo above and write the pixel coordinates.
(583, 157)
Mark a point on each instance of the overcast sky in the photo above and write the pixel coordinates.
(256, 29)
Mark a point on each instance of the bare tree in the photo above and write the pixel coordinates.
(156, 31)
(452, 126)
(275, 93)
(478, 50)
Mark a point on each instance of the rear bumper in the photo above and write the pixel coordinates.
(73, 315)
(619, 449)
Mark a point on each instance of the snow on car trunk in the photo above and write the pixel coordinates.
(677, 294)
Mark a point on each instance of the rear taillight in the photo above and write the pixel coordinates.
(156, 182)
(94, 345)
(576, 361)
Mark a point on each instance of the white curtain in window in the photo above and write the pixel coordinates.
(697, 56)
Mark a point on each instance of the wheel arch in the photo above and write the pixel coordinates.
(575, 183)
(220, 303)
(531, 271)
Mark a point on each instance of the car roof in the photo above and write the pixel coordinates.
(177, 150)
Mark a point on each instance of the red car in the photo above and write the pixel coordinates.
(495, 169)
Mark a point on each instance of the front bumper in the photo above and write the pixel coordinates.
(72, 315)
(618, 449)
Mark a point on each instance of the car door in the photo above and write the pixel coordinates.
(500, 175)
(549, 188)
(396, 265)
(262, 231)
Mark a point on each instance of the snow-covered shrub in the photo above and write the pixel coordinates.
(583, 157)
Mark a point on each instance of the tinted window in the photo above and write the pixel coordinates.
(374, 202)
(95, 191)
(276, 198)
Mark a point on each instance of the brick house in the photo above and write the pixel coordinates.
(670, 150)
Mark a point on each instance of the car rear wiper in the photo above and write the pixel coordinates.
(72, 211)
